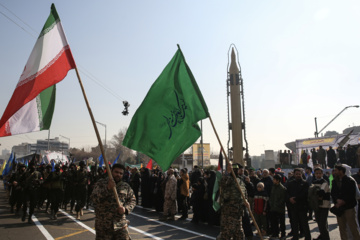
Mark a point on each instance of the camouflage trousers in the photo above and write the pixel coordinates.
(231, 222)
(105, 231)
(169, 207)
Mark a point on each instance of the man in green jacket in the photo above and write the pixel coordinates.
(277, 207)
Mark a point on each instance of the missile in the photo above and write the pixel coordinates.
(236, 124)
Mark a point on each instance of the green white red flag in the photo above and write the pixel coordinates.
(48, 64)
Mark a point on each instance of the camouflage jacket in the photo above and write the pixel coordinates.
(46, 183)
(16, 177)
(56, 180)
(230, 192)
(30, 180)
(81, 177)
(171, 188)
(105, 202)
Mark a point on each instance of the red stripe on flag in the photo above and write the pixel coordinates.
(26, 92)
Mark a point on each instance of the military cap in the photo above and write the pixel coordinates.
(237, 165)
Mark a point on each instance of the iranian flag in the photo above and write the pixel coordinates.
(30, 107)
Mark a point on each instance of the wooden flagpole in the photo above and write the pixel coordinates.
(237, 183)
(98, 137)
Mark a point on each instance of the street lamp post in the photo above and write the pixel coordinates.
(104, 125)
(317, 133)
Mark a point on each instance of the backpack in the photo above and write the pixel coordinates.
(313, 197)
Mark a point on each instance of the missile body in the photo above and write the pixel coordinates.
(236, 125)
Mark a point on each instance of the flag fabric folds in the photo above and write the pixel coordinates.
(101, 161)
(8, 166)
(117, 158)
(3, 167)
(216, 190)
(52, 165)
(48, 64)
(150, 165)
(165, 124)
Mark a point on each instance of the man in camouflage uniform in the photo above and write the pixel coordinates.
(110, 220)
(30, 182)
(232, 207)
(81, 181)
(70, 185)
(170, 197)
(65, 177)
(44, 191)
(17, 191)
(56, 190)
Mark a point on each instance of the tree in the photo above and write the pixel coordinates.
(126, 154)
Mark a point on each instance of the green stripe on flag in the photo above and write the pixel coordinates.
(47, 105)
(51, 21)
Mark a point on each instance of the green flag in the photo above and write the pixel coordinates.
(165, 124)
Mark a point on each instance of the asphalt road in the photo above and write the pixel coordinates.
(144, 224)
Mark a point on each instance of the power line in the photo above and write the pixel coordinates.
(17, 24)
(82, 69)
(94, 79)
(20, 19)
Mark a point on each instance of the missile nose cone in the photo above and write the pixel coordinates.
(233, 66)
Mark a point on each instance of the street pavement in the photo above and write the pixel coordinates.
(144, 224)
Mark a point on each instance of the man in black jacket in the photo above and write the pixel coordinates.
(331, 157)
(343, 193)
(297, 195)
(357, 179)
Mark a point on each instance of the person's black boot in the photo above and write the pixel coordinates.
(23, 217)
(30, 221)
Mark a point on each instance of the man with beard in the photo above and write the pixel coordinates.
(110, 220)
(343, 193)
(81, 181)
(30, 182)
(16, 194)
(298, 207)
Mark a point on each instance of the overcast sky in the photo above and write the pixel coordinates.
(299, 60)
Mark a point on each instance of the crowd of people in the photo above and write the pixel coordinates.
(265, 193)
(50, 188)
(349, 155)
